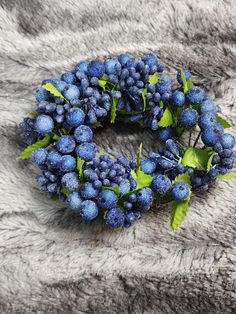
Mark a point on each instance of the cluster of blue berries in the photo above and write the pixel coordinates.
(67, 110)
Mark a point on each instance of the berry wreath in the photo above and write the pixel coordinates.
(60, 132)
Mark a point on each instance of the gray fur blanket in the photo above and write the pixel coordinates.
(51, 261)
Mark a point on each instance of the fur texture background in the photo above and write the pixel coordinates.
(51, 261)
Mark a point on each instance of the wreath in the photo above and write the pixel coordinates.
(59, 135)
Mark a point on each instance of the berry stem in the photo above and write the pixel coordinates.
(196, 141)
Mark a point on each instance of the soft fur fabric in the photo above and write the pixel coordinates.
(51, 261)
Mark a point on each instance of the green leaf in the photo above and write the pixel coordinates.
(55, 137)
(178, 213)
(144, 93)
(184, 177)
(65, 191)
(102, 83)
(196, 158)
(161, 105)
(227, 176)
(105, 214)
(112, 188)
(113, 109)
(167, 119)
(97, 125)
(54, 197)
(153, 79)
(33, 114)
(52, 89)
(139, 156)
(189, 84)
(64, 131)
(42, 143)
(143, 179)
(185, 85)
(223, 121)
(80, 167)
(210, 161)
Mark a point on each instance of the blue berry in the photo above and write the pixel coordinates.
(227, 162)
(172, 147)
(207, 120)
(211, 136)
(213, 173)
(115, 218)
(218, 147)
(226, 153)
(195, 95)
(180, 191)
(70, 181)
(124, 186)
(75, 200)
(132, 198)
(148, 166)
(178, 98)
(97, 184)
(42, 94)
(222, 170)
(130, 218)
(82, 67)
(187, 74)
(88, 191)
(164, 85)
(75, 117)
(127, 205)
(39, 156)
(228, 141)
(189, 117)
(88, 210)
(96, 68)
(86, 151)
(208, 106)
(60, 85)
(52, 188)
(69, 78)
(44, 124)
(165, 134)
(67, 163)
(144, 198)
(112, 66)
(41, 180)
(107, 199)
(66, 144)
(150, 59)
(161, 184)
(53, 159)
(71, 92)
(124, 58)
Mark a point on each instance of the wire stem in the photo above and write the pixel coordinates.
(196, 141)
(190, 137)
